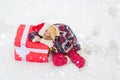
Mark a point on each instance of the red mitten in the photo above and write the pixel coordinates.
(76, 59)
(59, 59)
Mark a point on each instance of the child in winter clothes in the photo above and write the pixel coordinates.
(64, 43)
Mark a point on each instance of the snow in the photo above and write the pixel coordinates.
(95, 23)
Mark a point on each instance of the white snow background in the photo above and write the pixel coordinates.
(96, 23)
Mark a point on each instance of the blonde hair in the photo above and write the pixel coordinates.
(54, 31)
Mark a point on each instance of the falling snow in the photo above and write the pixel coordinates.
(96, 23)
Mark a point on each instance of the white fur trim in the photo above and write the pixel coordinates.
(42, 30)
(49, 43)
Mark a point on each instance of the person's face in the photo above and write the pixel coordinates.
(47, 34)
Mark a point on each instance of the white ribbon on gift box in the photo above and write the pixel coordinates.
(23, 50)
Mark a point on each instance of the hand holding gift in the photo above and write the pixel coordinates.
(34, 36)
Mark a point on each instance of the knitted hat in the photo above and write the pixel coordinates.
(41, 28)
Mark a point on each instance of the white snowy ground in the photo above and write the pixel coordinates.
(95, 22)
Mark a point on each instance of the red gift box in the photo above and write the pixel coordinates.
(26, 50)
